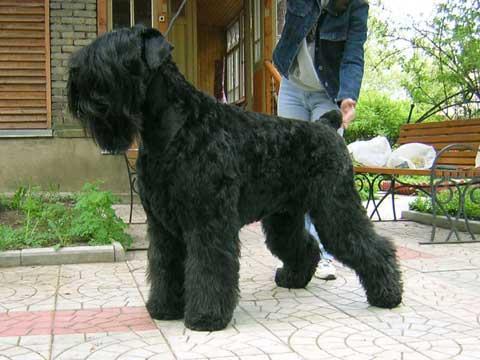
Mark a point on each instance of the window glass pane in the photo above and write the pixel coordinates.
(143, 12)
(229, 75)
(237, 67)
(120, 13)
(229, 39)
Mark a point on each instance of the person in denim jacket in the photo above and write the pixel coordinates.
(320, 56)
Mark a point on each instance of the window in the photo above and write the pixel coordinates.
(236, 61)
(257, 30)
(24, 69)
(126, 13)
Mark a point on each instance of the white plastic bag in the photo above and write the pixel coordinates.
(373, 152)
(412, 156)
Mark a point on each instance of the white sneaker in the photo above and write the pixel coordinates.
(325, 270)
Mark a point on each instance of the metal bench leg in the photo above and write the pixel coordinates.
(131, 203)
(392, 189)
(131, 182)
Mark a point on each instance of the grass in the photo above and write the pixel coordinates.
(41, 219)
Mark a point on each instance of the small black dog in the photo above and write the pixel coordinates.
(206, 169)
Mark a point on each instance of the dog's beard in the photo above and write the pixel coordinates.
(114, 139)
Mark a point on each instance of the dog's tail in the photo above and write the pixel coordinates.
(332, 118)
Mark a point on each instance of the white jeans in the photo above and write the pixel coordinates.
(295, 103)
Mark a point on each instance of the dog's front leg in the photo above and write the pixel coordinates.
(211, 276)
(166, 256)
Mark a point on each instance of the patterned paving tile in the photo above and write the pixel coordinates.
(25, 348)
(138, 269)
(243, 338)
(405, 253)
(28, 288)
(106, 346)
(17, 323)
(100, 312)
(97, 286)
(433, 334)
(432, 290)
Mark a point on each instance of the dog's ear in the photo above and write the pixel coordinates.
(156, 49)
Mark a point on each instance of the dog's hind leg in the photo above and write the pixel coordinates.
(211, 275)
(166, 256)
(347, 233)
(287, 238)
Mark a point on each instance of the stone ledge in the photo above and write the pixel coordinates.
(441, 221)
(10, 258)
(67, 255)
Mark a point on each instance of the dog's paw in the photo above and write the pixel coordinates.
(387, 299)
(206, 322)
(292, 279)
(159, 312)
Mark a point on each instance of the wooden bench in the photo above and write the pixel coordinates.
(456, 143)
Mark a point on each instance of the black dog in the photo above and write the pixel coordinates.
(206, 169)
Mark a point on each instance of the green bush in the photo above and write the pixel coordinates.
(380, 115)
(472, 209)
(50, 219)
(95, 219)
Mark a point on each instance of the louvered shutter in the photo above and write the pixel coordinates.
(24, 64)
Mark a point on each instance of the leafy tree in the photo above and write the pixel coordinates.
(444, 70)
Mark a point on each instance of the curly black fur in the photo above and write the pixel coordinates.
(206, 169)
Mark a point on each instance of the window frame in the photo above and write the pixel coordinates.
(236, 62)
(132, 11)
(257, 33)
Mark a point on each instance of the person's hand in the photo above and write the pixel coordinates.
(347, 107)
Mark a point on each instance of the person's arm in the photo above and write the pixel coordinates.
(351, 68)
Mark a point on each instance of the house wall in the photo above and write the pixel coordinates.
(211, 47)
(73, 24)
(67, 163)
(67, 159)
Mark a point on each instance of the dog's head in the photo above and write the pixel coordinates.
(108, 80)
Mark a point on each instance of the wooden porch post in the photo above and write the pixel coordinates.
(268, 42)
(102, 20)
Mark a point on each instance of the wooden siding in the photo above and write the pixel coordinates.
(25, 98)
(218, 13)
(211, 47)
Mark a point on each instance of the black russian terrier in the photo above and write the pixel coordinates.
(206, 169)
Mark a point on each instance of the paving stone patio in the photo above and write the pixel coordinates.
(97, 311)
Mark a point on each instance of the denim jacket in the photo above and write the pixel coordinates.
(339, 56)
